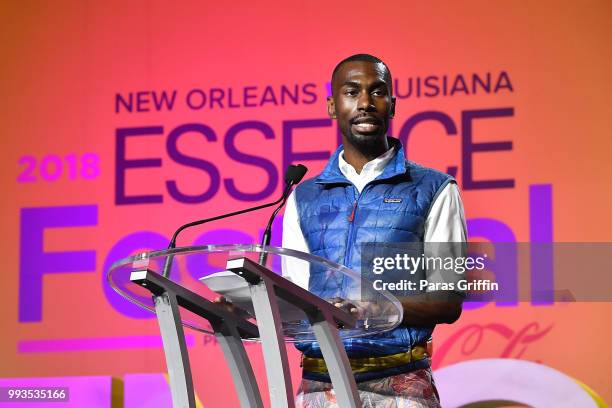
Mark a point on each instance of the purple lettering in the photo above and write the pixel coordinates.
(469, 148)
(248, 95)
(441, 117)
(204, 165)
(34, 262)
(122, 164)
(505, 264)
(27, 176)
(196, 99)
(503, 82)
(216, 96)
(164, 100)
(142, 101)
(265, 164)
(51, 167)
(137, 241)
(541, 237)
(459, 86)
(289, 156)
(121, 101)
(268, 97)
(230, 99)
(309, 89)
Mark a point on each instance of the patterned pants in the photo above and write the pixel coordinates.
(415, 389)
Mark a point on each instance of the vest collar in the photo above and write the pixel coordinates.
(397, 166)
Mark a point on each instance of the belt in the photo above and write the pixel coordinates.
(366, 364)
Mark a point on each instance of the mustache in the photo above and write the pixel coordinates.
(365, 118)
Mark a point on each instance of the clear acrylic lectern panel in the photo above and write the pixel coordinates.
(278, 295)
(203, 270)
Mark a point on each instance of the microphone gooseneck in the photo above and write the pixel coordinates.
(293, 175)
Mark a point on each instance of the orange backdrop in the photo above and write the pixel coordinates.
(69, 72)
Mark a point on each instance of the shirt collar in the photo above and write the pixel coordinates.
(397, 166)
(376, 165)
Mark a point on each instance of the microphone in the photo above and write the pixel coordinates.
(293, 175)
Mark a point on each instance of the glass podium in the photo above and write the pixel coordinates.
(274, 295)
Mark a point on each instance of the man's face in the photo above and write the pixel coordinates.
(361, 102)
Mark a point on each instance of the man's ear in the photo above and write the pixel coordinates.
(392, 110)
(331, 107)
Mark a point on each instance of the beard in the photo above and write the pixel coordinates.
(366, 143)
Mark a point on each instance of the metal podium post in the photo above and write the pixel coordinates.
(229, 330)
(265, 291)
(265, 287)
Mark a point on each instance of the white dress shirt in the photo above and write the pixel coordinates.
(445, 222)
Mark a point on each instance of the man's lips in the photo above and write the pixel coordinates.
(365, 124)
(365, 119)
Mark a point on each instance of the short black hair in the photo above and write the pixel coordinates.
(366, 58)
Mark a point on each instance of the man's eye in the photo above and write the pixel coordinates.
(378, 93)
(350, 92)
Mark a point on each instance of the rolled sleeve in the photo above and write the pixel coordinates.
(446, 234)
(293, 269)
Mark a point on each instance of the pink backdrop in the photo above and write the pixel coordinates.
(245, 88)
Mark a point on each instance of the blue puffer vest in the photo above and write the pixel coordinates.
(336, 219)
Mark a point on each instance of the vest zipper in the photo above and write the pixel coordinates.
(351, 218)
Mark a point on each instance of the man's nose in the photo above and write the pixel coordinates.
(365, 102)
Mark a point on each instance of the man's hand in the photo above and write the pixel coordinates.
(431, 308)
(357, 308)
(230, 307)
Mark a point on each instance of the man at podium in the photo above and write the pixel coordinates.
(369, 192)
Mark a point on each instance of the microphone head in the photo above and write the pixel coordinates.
(295, 173)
